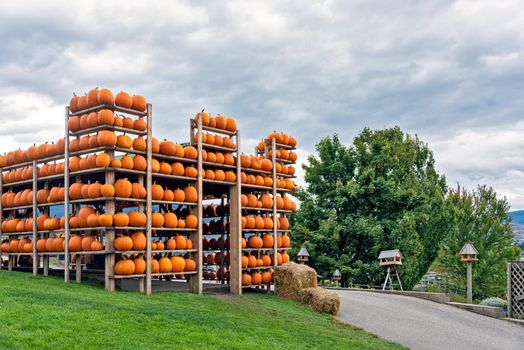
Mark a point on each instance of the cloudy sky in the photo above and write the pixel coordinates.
(450, 71)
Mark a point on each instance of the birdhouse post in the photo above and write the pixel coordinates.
(303, 255)
(390, 259)
(469, 254)
(337, 276)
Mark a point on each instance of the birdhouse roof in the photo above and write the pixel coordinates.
(386, 254)
(303, 252)
(337, 273)
(468, 249)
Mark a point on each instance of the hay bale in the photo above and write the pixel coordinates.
(321, 300)
(291, 278)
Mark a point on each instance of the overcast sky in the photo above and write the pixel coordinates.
(450, 71)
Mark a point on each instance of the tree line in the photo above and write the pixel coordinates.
(383, 192)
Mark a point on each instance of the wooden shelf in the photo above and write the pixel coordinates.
(215, 130)
(219, 165)
(114, 108)
(159, 156)
(257, 171)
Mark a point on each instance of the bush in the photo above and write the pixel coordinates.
(494, 301)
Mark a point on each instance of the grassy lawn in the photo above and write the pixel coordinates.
(44, 313)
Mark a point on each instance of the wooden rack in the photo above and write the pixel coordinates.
(227, 192)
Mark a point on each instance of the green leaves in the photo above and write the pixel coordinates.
(382, 192)
(481, 218)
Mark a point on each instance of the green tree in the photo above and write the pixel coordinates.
(481, 218)
(382, 192)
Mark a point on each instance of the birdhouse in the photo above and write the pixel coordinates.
(337, 276)
(390, 258)
(468, 253)
(303, 255)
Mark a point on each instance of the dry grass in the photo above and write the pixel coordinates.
(291, 278)
(321, 300)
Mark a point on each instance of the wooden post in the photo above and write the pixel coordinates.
(109, 234)
(149, 182)
(78, 265)
(35, 214)
(469, 283)
(274, 193)
(195, 281)
(235, 228)
(66, 198)
(509, 288)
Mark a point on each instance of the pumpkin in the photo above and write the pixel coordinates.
(107, 138)
(171, 244)
(157, 219)
(250, 222)
(87, 243)
(219, 141)
(181, 242)
(94, 190)
(140, 163)
(190, 171)
(124, 141)
(292, 142)
(204, 116)
(93, 220)
(165, 168)
(41, 245)
(92, 119)
(121, 219)
(73, 103)
(138, 191)
(168, 195)
(160, 245)
(105, 97)
(191, 194)
(127, 162)
(92, 98)
(137, 219)
(105, 220)
(157, 192)
(123, 188)
(266, 260)
(285, 257)
(40, 221)
(107, 190)
(167, 148)
(177, 169)
(73, 124)
(139, 103)
(58, 244)
(268, 223)
(155, 166)
(251, 200)
(190, 265)
(256, 278)
(140, 265)
(178, 263)
(245, 160)
(116, 163)
(279, 259)
(170, 221)
(119, 122)
(125, 267)
(165, 265)
(267, 241)
(140, 125)
(191, 221)
(82, 102)
(155, 266)
(139, 241)
(286, 243)
(179, 195)
(139, 144)
(84, 189)
(155, 145)
(41, 196)
(97, 246)
(75, 243)
(190, 152)
(259, 222)
(123, 243)
(255, 242)
(49, 244)
(246, 279)
(123, 99)
(209, 174)
(267, 201)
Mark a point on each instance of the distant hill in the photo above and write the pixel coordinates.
(517, 216)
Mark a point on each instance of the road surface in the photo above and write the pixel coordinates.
(423, 324)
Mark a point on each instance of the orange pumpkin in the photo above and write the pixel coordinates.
(190, 171)
(165, 265)
(190, 152)
(105, 220)
(139, 144)
(138, 191)
(191, 194)
(124, 141)
(123, 188)
(157, 219)
(170, 220)
(125, 267)
(105, 97)
(140, 265)
(121, 219)
(179, 195)
(123, 99)
(139, 241)
(137, 219)
(191, 221)
(178, 263)
(140, 125)
(75, 243)
(107, 190)
(107, 138)
(140, 163)
(123, 243)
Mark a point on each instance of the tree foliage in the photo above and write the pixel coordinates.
(482, 219)
(380, 193)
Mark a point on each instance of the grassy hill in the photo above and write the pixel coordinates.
(44, 313)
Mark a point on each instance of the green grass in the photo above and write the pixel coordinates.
(45, 313)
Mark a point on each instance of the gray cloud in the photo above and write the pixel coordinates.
(450, 71)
